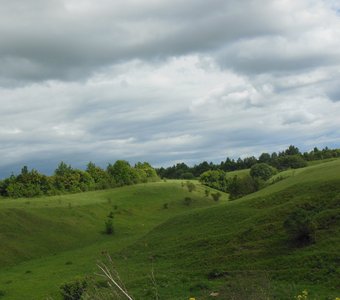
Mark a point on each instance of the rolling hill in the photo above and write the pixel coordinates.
(234, 248)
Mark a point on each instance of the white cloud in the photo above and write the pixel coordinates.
(165, 80)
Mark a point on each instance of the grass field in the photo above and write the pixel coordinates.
(47, 241)
(192, 250)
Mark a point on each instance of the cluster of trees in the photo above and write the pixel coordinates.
(31, 183)
(238, 186)
(182, 171)
(289, 158)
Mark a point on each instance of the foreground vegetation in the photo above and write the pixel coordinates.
(174, 240)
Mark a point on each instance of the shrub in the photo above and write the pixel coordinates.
(216, 196)
(187, 201)
(109, 226)
(215, 179)
(239, 187)
(73, 290)
(191, 186)
(215, 273)
(262, 171)
(300, 227)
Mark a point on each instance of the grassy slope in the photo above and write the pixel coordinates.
(182, 244)
(247, 235)
(239, 173)
(47, 241)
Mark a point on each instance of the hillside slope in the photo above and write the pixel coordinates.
(245, 239)
(50, 240)
(236, 248)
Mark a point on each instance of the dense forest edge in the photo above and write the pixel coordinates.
(261, 170)
(31, 183)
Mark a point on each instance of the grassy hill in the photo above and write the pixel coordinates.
(236, 248)
(48, 241)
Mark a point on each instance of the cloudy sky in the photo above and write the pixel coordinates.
(165, 81)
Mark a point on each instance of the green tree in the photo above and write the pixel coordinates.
(265, 158)
(100, 177)
(187, 175)
(290, 161)
(215, 179)
(292, 150)
(241, 186)
(262, 171)
(26, 184)
(63, 169)
(86, 182)
(145, 172)
(122, 173)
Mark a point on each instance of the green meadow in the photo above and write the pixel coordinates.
(167, 248)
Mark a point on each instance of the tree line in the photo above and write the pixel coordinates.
(262, 170)
(239, 186)
(65, 179)
(289, 158)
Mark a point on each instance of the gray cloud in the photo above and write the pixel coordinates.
(165, 81)
(70, 40)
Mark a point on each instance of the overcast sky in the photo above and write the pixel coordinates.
(165, 81)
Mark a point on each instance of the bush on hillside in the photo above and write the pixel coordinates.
(109, 226)
(262, 171)
(73, 290)
(191, 186)
(216, 196)
(187, 201)
(215, 179)
(241, 186)
(300, 227)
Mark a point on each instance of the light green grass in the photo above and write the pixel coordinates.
(239, 173)
(48, 241)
